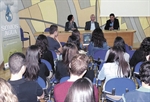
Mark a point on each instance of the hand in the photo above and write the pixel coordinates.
(73, 28)
(111, 28)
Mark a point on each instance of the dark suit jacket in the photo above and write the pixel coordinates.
(67, 26)
(115, 26)
(88, 25)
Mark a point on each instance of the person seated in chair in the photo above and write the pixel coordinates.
(143, 93)
(112, 23)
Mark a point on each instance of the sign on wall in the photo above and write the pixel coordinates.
(9, 29)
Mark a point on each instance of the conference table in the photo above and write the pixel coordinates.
(110, 36)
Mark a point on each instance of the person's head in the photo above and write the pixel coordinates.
(144, 73)
(53, 30)
(112, 17)
(42, 43)
(32, 60)
(17, 63)
(98, 37)
(92, 17)
(70, 18)
(69, 51)
(117, 56)
(78, 65)
(145, 47)
(81, 91)
(6, 92)
(119, 42)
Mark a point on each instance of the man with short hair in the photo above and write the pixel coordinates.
(53, 42)
(78, 67)
(143, 93)
(91, 25)
(26, 91)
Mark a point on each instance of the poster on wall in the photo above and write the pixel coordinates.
(9, 29)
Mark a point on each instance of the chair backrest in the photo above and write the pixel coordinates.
(54, 54)
(131, 52)
(49, 66)
(64, 79)
(62, 43)
(121, 85)
(47, 30)
(21, 34)
(41, 82)
(100, 54)
(87, 38)
(137, 67)
(127, 47)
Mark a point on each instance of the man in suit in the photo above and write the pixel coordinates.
(112, 23)
(91, 25)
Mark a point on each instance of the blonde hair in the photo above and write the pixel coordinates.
(6, 94)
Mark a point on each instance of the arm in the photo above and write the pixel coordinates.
(107, 26)
(75, 26)
(46, 70)
(86, 26)
(117, 24)
(97, 25)
(66, 27)
(101, 75)
(106, 56)
(60, 48)
(39, 92)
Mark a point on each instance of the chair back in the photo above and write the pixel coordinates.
(41, 82)
(120, 85)
(64, 79)
(137, 67)
(100, 54)
(21, 34)
(49, 66)
(54, 54)
(47, 30)
(131, 52)
(127, 47)
(62, 43)
(87, 38)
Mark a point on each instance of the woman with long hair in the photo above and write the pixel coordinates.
(141, 53)
(81, 91)
(34, 66)
(120, 45)
(42, 43)
(115, 66)
(97, 42)
(62, 67)
(6, 92)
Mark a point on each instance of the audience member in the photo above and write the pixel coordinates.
(141, 53)
(34, 66)
(75, 38)
(81, 91)
(62, 67)
(115, 66)
(6, 92)
(112, 23)
(91, 25)
(26, 90)
(42, 43)
(53, 41)
(70, 25)
(97, 42)
(120, 44)
(142, 94)
(78, 68)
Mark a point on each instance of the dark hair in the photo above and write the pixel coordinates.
(16, 61)
(145, 47)
(117, 55)
(144, 72)
(119, 43)
(69, 51)
(42, 43)
(32, 59)
(69, 18)
(81, 91)
(75, 38)
(112, 15)
(53, 28)
(79, 64)
(98, 37)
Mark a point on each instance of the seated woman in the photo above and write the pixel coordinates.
(119, 43)
(141, 53)
(42, 43)
(115, 66)
(81, 91)
(97, 42)
(34, 66)
(75, 38)
(70, 25)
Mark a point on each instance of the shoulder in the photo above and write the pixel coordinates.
(88, 22)
(116, 19)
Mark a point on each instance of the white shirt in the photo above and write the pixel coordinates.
(92, 26)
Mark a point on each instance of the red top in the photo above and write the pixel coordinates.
(61, 90)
